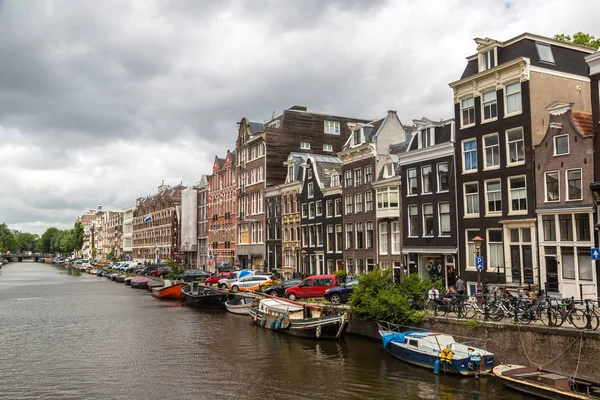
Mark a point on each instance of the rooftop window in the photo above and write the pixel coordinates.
(545, 52)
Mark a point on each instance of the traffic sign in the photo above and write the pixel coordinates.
(595, 253)
(479, 263)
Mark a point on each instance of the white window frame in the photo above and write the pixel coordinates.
(358, 179)
(439, 181)
(470, 215)
(483, 105)
(485, 147)
(537, 47)
(327, 147)
(508, 161)
(546, 186)
(568, 145)
(348, 204)
(567, 183)
(483, 66)
(462, 108)
(423, 168)
(383, 232)
(358, 196)
(331, 127)
(319, 206)
(506, 113)
(311, 190)
(396, 238)
(510, 198)
(348, 174)
(425, 234)
(487, 204)
(408, 180)
(467, 252)
(440, 232)
(305, 145)
(462, 150)
(410, 225)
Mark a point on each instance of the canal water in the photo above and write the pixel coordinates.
(77, 336)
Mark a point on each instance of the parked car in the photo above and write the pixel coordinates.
(340, 294)
(279, 290)
(215, 278)
(225, 267)
(313, 286)
(223, 283)
(252, 282)
(160, 272)
(146, 270)
(191, 275)
(132, 266)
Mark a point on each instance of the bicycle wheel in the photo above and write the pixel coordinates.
(578, 319)
(548, 316)
(468, 311)
(495, 313)
(524, 316)
(442, 310)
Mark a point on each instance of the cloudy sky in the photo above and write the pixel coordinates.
(104, 99)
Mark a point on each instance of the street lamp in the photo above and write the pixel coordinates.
(304, 260)
(478, 242)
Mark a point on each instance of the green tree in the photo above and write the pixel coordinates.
(65, 243)
(77, 236)
(48, 240)
(8, 241)
(580, 38)
(26, 241)
(94, 252)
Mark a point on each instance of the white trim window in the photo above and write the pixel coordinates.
(487, 60)
(332, 127)
(471, 191)
(348, 204)
(396, 237)
(512, 99)
(517, 186)
(319, 208)
(358, 177)
(470, 248)
(357, 137)
(327, 147)
(515, 147)
(348, 178)
(383, 238)
(574, 184)
(489, 106)
(368, 201)
(495, 258)
(443, 179)
(491, 151)
(311, 190)
(413, 221)
(387, 199)
(493, 196)
(561, 145)
(467, 112)
(369, 237)
(339, 239)
(368, 174)
(427, 138)
(444, 219)
(469, 149)
(545, 52)
(329, 208)
(349, 236)
(338, 207)
(411, 175)
(428, 220)
(358, 203)
(426, 180)
(305, 145)
(359, 235)
(304, 210)
(552, 186)
(311, 210)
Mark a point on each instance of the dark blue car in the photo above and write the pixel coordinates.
(340, 294)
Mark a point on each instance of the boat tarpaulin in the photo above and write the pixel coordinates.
(396, 337)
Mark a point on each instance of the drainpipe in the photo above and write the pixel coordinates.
(457, 263)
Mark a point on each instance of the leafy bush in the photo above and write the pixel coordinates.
(176, 269)
(377, 297)
(341, 275)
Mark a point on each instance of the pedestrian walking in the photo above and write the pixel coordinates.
(460, 286)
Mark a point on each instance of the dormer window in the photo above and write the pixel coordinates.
(487, 60)
(545, 52)
(335, 180)
(275, 124)
(290, 177)
(388, 170)
(356, 136)
(332, 127)
(427, 138)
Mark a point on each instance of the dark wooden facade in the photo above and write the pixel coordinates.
(273, 229)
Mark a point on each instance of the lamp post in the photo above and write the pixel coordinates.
(478, 295)
(304, 260)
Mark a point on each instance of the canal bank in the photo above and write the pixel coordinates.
(567, 351)
(80, 336)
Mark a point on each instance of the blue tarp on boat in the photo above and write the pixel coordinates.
(397, 337)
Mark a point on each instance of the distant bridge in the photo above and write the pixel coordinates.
(24, 256)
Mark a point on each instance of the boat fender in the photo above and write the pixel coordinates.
(263, 322)
(318, 331)
(446, 355)
(279, 322)
(436, 367)
(255, 317)
(273, 324)
(428, 267)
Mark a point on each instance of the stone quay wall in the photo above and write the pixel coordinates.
(567, 351)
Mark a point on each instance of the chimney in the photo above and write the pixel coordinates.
(298, 108)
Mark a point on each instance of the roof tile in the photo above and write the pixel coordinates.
(584, 122)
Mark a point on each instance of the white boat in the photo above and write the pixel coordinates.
(239, 304)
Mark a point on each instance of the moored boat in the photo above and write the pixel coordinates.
(155, 283)
(298, 319)
(199, 296)
(121, 278)
(140, 282)
(169, 291)
(240, 304)
(435, 351)
(546, 384)
(128, 280)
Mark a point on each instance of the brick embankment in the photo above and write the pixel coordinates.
(566, 351)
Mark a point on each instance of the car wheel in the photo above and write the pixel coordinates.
(292, 296)
(222, 286)
(207, 283)
(335, 298)
(263, 289)
(235, 288)
(272, 293)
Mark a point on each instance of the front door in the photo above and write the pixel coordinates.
(551, 274)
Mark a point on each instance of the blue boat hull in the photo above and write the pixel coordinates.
(457, 366)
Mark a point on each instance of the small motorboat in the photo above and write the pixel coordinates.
(199, 296)
(240, 304)
(127, 280)
(169, 291)
(121, 278)
(140, 282)
(546, 384)
(436, 351)
(297, 319)
(155, 283)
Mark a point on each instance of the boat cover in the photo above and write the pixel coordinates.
(397, 337)
(243, 273)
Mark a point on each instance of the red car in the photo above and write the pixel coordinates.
(313, 286)
(161, 272)
(214, 278)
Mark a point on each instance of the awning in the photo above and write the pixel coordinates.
(430, 250)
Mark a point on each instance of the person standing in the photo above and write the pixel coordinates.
(460, 286)
(433, 294)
